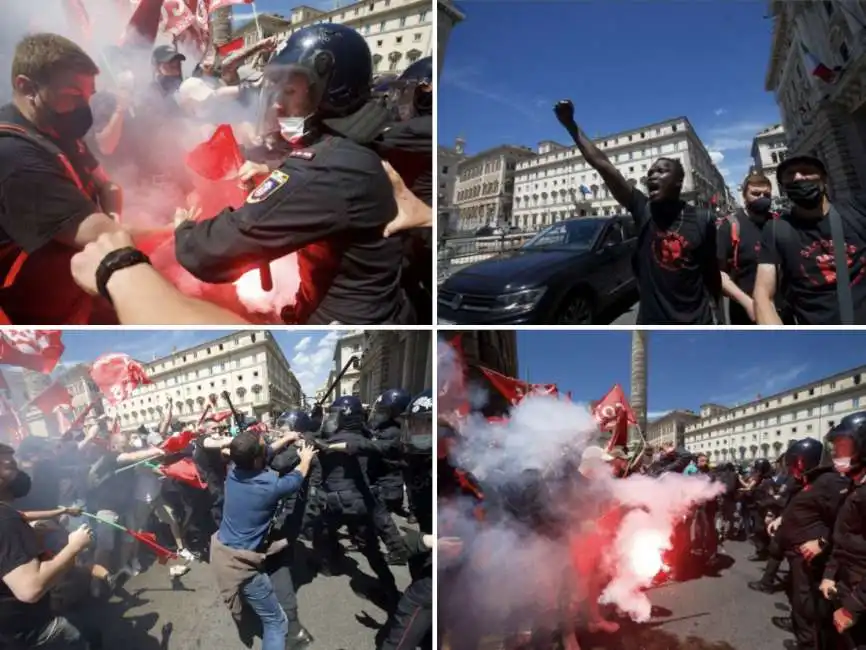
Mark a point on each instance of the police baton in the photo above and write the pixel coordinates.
(266, 277)
(235, 414)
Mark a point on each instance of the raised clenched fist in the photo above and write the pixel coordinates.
(564, 111)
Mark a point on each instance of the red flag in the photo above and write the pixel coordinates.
(78, 421)
(202, 16)
(177, 441)
(232, 46)
(614, 413)
(117, 376)
(515, 390)
(177, 17)
(163, 555)
(184, 471)
(55, 395)
(38, 350)
(217, 164)
(219, 417)
(144, 24)
(77, 15)
(219, 4)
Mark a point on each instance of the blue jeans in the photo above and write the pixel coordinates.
(259, 595)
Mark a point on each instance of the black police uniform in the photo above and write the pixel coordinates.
(347, 499)
(412, 621)
(810, 515)
(847, 563)
(299, 509)
(385, 468)
(46, 186)
(329, 203)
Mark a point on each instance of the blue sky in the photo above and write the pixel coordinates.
(310, 353)
(624, 63)
(687, 369)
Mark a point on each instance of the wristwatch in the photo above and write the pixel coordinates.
(122, 258)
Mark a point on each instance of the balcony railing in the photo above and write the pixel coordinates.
(457, 252)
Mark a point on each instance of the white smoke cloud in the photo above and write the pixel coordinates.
(552, 541)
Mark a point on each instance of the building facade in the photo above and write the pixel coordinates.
(448, 159)
(249, 365)
(448, 16)
(399, 32)
(825, 119)
(765, 427)
(82, 389)
(548, 186)
(395, 360)
(349, 346)
(484, 187)
(671, 427)
(769, 148)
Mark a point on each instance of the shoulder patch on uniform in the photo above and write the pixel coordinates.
(270, 185)
(303, 154)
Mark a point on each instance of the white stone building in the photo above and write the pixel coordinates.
(826, 120)
(448, 16)
(399, 32)
(547, 186)
(769, 148)
(249, 364)
(484, 186)
(766, 426)
(348, 346)
(448, 159)
(671, 427)
(396, 359)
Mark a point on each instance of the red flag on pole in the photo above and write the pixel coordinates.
(144, 24)
(117, 376)
(232, 46)
(515, 390)
(55, 395)
(177, 17)
(38, 350)
(185, 472)
(614, 413)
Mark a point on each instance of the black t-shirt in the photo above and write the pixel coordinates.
(675, 264)
(38, 199)
(749, 232)
(18, 546)
(803, 253)
(408, 146)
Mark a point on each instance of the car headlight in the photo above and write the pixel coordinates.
(525, 300)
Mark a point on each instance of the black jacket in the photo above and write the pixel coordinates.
(811, 513)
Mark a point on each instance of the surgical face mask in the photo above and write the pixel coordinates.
(20, 485)
(136, 442)
(842, 464)
(73, 125)
(804, 194)
(760, 205)
(292, 129)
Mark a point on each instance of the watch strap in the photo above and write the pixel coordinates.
(122, 258)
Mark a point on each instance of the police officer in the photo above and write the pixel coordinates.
(417, 434)
(844, 579)
(347, 497)
(55, 198)
(407, 144)
(803, 533)
(300, 509)
(330, 199)
(762, 504)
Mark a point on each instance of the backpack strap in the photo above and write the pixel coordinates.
(735, 240)
(843, 279)
(13, 130)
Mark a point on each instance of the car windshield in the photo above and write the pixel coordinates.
(576, 234)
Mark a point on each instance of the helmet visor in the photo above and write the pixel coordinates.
(289, 95)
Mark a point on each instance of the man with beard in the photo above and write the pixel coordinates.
(739, 241)
(675, 262)
(25, 614)
(804, 252)
(803, 533)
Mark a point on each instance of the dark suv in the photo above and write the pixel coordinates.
(567, 274)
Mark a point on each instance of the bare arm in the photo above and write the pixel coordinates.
(108, 138)
(283, 442)
(130, 457)
(166, 423)
(216, 443)
(30, 582)
(88, 230)
(110, 194)
(730, 289)
(765, 292)
(39, 515)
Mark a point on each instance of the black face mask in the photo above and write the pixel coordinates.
(378, 419)
(73, 125)
(20, 485)
(804, 194)
(760, 206)
(169, 85)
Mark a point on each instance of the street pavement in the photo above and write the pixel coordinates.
(709, 613)
(155, 612)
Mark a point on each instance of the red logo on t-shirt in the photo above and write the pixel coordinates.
(668, 250)
(819, 256)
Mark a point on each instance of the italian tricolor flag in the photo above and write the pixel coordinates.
(816, 68)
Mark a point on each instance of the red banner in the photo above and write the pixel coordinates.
(176, 17)
(52, 397)
(38, 350)
(515, 390)
(232, 46)
(117, 376)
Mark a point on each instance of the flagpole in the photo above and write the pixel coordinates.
(256, 18)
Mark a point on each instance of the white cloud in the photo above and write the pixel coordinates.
(471, 80)
(717, 156)
(313, 361)
(719, 112)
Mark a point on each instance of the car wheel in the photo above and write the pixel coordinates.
(577, 309)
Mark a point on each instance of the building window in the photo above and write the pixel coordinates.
(811, 392)
(674, 128)
(856, 380)
(422, 17)
(855, 402)
(403, 21)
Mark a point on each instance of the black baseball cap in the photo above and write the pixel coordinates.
(800, 160)
(166, 54)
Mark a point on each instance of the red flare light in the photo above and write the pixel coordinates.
(645, 554)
